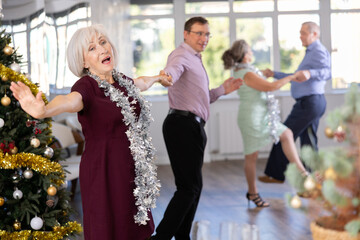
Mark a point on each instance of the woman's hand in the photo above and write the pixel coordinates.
(145, 82)
(165, 79)
(34, 106)
(302, 76)
(267, 73)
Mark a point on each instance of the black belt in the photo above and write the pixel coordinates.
(187, 114)
(305, 97)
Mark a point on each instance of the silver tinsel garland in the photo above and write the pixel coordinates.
(271, 102)
(143, 152)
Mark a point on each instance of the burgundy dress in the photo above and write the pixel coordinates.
(107, 169)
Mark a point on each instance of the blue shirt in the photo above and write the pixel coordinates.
(190, 89)
(317, 61)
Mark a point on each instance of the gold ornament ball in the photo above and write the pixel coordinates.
(329, 133)
(295, 202)
(51, 191)
(4, 78)
(340, 128)
(2, 201)
(5, 101)
(14, 150)
(309, 183)
(35, 142)
(330, 174)
(17, 225)
(8, 50)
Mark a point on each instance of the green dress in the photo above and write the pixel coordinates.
(253, 117)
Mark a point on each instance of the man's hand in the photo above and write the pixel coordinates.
(232, 84)
(302, 76)
(267, 73)
(165, 79)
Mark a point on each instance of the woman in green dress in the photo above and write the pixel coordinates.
(258, 118)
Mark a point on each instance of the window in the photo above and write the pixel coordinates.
(153, 40)
(27, 36)
(294, 5)
(345, 4)
(45, 36)
(253, 6)
(220, 41)
(271, 27)
(207, 7)
(151, 9)
(60, 28)
(345, 55)
(257, 32)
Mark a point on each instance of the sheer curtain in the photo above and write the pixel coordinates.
(114, 15)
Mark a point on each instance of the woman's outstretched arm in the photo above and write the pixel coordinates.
(35, 106)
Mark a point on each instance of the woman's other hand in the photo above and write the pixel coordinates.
(34, 106)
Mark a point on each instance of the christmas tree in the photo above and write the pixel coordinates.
(34, 201)
(334, 184)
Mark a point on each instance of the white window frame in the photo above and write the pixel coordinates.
(324, 13)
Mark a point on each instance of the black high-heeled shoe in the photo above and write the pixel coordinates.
(259, 202)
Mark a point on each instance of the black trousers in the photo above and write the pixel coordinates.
(303, 121)
(185, 140)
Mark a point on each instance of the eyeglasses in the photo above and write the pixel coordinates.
(200, 34)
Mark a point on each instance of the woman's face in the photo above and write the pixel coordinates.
(98, 56)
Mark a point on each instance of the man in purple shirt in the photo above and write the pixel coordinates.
(183, 128)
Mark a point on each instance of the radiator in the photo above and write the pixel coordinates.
(230, 141)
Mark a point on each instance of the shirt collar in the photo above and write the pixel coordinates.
(313, 45)
(190, 49)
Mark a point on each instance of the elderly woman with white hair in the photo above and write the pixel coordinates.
(117, 174)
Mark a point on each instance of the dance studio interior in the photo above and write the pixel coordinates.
(145, 32)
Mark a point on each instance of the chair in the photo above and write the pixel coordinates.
(68, 138)
(73, 122)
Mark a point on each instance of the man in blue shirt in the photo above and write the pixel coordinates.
(310, 104)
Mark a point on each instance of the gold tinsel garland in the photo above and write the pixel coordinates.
(35, 162)
(58, 233)
(18, 77)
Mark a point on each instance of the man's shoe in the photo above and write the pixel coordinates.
(267, 179)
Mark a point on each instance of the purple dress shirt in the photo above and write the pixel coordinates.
(190, 89)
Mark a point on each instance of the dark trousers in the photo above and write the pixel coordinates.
(303, 122)
(185, 141)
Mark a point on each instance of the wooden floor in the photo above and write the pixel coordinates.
(223, 200)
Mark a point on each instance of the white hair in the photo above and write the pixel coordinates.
(80, 41)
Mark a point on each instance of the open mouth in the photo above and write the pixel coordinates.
(106, 60)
